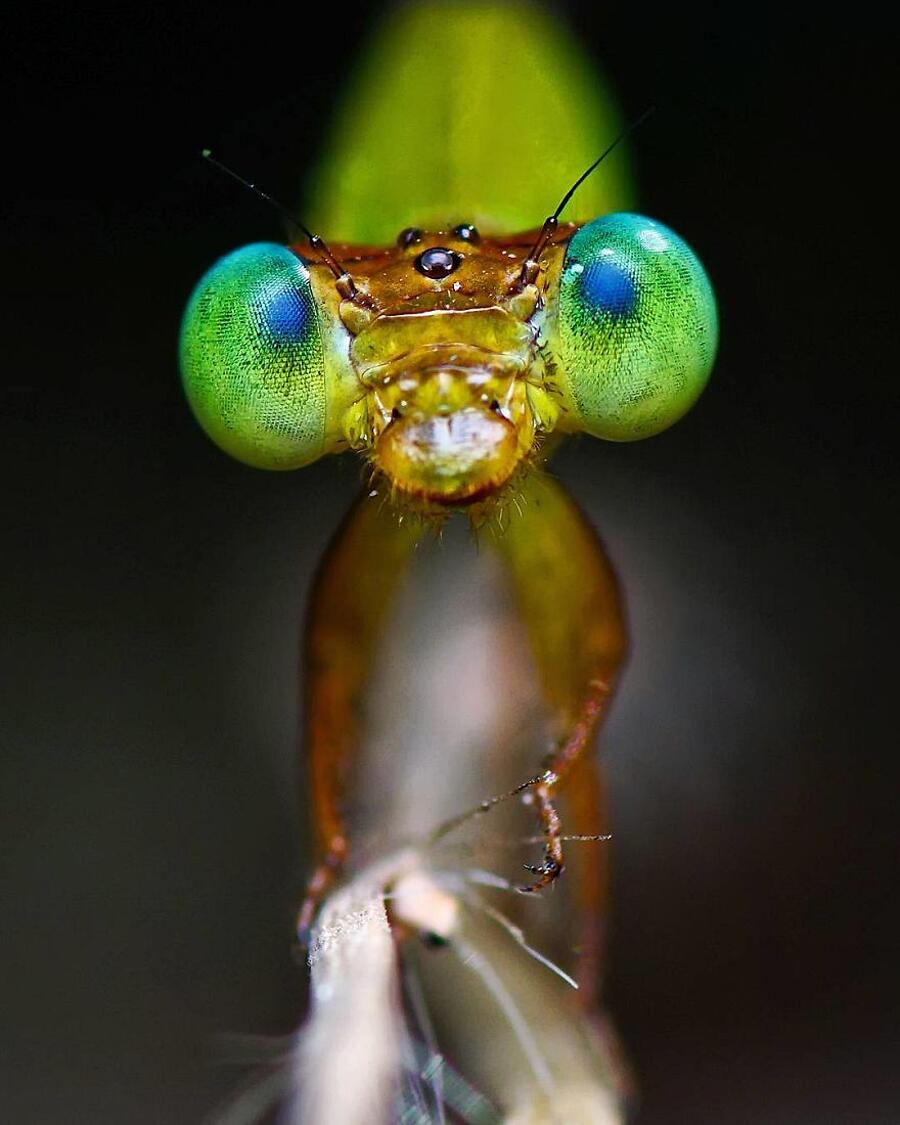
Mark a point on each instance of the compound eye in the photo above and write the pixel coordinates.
(252, 358)
(637, 327)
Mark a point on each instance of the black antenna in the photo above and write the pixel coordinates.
(529, 266)
(345, 281)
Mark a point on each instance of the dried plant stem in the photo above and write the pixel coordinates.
(517, 1031)
(349, 1054)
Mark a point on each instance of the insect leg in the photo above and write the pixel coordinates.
(570, 603)
(350, 597)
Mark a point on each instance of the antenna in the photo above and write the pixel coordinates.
(345, 282)
(530, 265)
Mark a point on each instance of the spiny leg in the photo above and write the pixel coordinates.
(350, 597)
(570, 603)
(557, 765)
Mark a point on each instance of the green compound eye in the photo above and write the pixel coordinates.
(637, 328)
(252, 358)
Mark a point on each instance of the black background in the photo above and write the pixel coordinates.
(153, 590)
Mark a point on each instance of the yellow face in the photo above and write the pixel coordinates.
(444, 342)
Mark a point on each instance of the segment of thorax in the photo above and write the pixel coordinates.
(445, 342)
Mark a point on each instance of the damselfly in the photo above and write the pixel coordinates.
(449, 333)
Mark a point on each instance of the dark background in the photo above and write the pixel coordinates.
(153, 589)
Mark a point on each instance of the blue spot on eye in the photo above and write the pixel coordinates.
(607, 288)
(285, 316)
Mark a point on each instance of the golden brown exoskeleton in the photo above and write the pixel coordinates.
(445, 339)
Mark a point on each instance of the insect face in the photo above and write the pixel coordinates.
(445, 358)
(437, 361)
